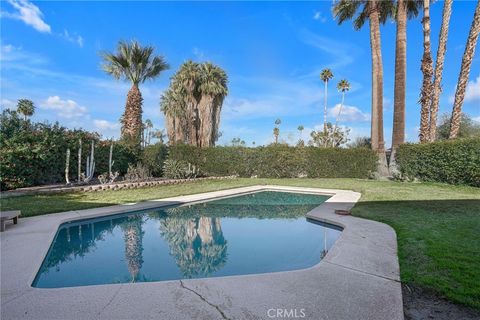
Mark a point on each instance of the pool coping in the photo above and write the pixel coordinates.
(365, 253)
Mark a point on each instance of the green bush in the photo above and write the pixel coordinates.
(455, 162)
(34, 153)
(153, 158)
(278, 161)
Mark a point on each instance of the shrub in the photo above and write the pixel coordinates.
(153, 158)
(179, 169)
(455, 162)
(137, 172)
(278, 161)
(34, 153)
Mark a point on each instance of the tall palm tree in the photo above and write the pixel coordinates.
(375, 12)
(342, 86)
(276, 129)
(427, 70)
(188, 76)
(136, 64)
(213, 89)
(325, 76)
(406, 9)
(464, 73)
(442, 48)
(26, 108)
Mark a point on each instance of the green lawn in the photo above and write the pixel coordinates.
(438, 226)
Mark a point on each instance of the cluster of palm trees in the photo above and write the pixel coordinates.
(377, 12)
(193, 102)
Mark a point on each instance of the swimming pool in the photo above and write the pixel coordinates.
(252, 233)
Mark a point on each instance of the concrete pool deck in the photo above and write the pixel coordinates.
(357, 279)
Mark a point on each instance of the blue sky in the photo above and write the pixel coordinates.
(272, 52)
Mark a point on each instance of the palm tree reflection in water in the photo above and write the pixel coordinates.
(133, 236)
(197, 244)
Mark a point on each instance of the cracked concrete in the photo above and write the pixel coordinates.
(358, 278)
(205, 300)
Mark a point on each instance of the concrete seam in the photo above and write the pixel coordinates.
(224, 316)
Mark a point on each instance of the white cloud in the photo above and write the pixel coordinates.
(6, 103)
(28, 13)
(64, 108)
(477, 119)
(349, 113)
(473, 90)
(75, 38)
(105, 125)
(319, 17)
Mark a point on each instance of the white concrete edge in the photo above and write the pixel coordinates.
(339, 199)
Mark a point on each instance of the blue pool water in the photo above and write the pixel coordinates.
(255, 233)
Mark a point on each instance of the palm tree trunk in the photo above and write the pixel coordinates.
(325, 109)
(216, 120)
(170, 124)
(378, 143)
(192, 120)
(180, 134)
(205, 114)
(398, 133)
(442, 48)
(464, 73)
(132, 118)
(427, 70)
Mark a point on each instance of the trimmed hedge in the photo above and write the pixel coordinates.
(278, 161)
(454, 162)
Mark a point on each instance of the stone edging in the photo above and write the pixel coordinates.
(98, 187)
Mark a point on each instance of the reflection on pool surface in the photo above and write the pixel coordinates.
(255, 233)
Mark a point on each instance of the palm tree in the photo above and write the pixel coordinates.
(406, 9)
(188, 76)
(301, 128)
(442, 48)
(342, 86)
(464, 73)
(375, 12)
(427, 70)
(26, 107)
(325, 76)
(213, 89)
(133, 63)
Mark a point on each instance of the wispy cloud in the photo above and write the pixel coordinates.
(64, 108)
(472, 93)
(75, 38)
(348, 114)
(319, 17)
(340, 51)
(29, 13)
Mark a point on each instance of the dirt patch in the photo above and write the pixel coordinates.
(420, 303)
